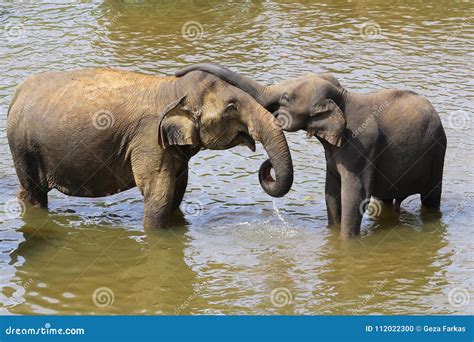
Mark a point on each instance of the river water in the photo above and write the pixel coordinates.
(237, 250)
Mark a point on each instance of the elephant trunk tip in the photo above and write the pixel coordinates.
(271, 186)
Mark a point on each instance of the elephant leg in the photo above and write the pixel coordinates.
(333, 198)
(33, 186)
(354, 192)
(398, 202)
(33, 196)
(180, 188)
(157, 211)
(156, 180)
(158, 202)
(387, 201)
(431, 197)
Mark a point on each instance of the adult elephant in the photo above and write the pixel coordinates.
(96, 132)
(388, 144)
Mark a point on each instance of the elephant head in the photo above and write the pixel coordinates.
(210, 113)
(314, 103)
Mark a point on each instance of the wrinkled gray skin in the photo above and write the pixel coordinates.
(388, 144)
(93, 133)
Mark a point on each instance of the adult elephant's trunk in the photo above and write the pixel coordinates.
(266, 130)
(263, 94)
(264, 126)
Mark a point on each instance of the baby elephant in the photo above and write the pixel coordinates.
(93, 133)
(388, 144)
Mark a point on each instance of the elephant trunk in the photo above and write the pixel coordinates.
(267, 131)
(264, 95)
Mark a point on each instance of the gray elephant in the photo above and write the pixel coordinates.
(93, 133)
(388, 144)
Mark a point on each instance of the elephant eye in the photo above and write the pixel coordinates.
(285, 98)
(229, 108)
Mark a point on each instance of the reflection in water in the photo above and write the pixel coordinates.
(245, 253)
(146, 273)
(398, 268)
(231, 269)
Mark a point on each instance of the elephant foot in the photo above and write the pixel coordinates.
(34, 198)
(396, 207)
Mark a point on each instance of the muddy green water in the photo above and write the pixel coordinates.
(236, 250)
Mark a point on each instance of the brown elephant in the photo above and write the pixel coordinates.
(93, 133)
(388, 144)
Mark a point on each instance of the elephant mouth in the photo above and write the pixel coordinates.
(243, 139)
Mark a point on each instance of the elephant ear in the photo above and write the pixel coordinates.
(327, 122)
(177, 126)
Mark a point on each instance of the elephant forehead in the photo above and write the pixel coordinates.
(214, 104)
